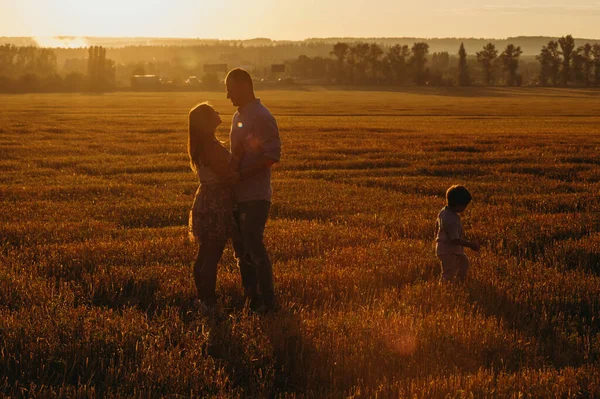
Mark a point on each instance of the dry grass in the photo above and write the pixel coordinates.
(95, 275)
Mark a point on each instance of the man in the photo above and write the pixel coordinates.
(254, 139)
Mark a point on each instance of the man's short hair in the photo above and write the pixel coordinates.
(239, 75)
(458, 195)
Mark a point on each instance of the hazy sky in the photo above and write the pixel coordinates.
(299, 19)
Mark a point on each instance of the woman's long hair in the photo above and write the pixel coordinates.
(200, 133)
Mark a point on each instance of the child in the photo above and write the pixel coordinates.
(449, 239)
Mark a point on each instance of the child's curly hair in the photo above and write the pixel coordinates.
(458, 195)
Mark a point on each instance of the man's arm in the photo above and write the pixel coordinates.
(267, 134)
(263, 163)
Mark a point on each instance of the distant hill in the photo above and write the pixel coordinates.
(530, 45)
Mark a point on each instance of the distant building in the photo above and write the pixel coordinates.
(145, 81)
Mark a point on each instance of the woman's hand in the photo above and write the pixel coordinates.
(233, 179)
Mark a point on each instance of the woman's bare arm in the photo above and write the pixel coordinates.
(219, 161)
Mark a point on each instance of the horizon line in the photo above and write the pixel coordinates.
(292, 40)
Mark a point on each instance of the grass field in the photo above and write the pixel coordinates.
(95, 267)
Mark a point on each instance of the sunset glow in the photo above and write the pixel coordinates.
(61, 42)
(291, 19)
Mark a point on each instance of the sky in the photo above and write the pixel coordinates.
(300, 19)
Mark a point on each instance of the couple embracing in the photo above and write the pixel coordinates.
(234, 196)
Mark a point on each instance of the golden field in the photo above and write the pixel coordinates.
(95, 267)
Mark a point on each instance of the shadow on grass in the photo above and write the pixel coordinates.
(128, 291)
(264, 356)
(549, 324)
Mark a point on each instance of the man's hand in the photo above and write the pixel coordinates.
(474, 246)
(233, 179)
(259, 166)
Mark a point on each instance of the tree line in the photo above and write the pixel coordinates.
(560, 64)
(370, 64)
(29, 69)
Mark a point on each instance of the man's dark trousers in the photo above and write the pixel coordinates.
(255, 266)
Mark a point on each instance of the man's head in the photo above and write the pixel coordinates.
(458, 198)
(240, 89)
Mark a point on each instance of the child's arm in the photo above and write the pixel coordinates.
(454, 231)
(464, 243)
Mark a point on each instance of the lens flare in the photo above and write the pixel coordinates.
(403, 344)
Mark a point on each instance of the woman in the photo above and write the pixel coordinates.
(211, 218)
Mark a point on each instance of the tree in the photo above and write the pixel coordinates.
(101, 71)
(74, 82)
(374, 58)
(301, 67)
(28, 83)
(438, 71)
(340, 51)
(418, 61)
(567, 45)
(52, 83)
(463, 72)
(7, 55)
(6, 85)
(440, 61)
(550, 62)
(396, 62)
(139, 69)
(107, 71)
(583, 65)
(20, 61)
(312, 68)
(44, 62)
(101, 67)
(588, 66)
(24, 60)
(596, 63)
(92, 66)
(211, 81)
(320, 67)
(361, 57)
(351, 61)
(510, 64)
(487, 59)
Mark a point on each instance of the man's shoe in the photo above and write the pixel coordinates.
(267, 307)
(252, 303)
(204, 307)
